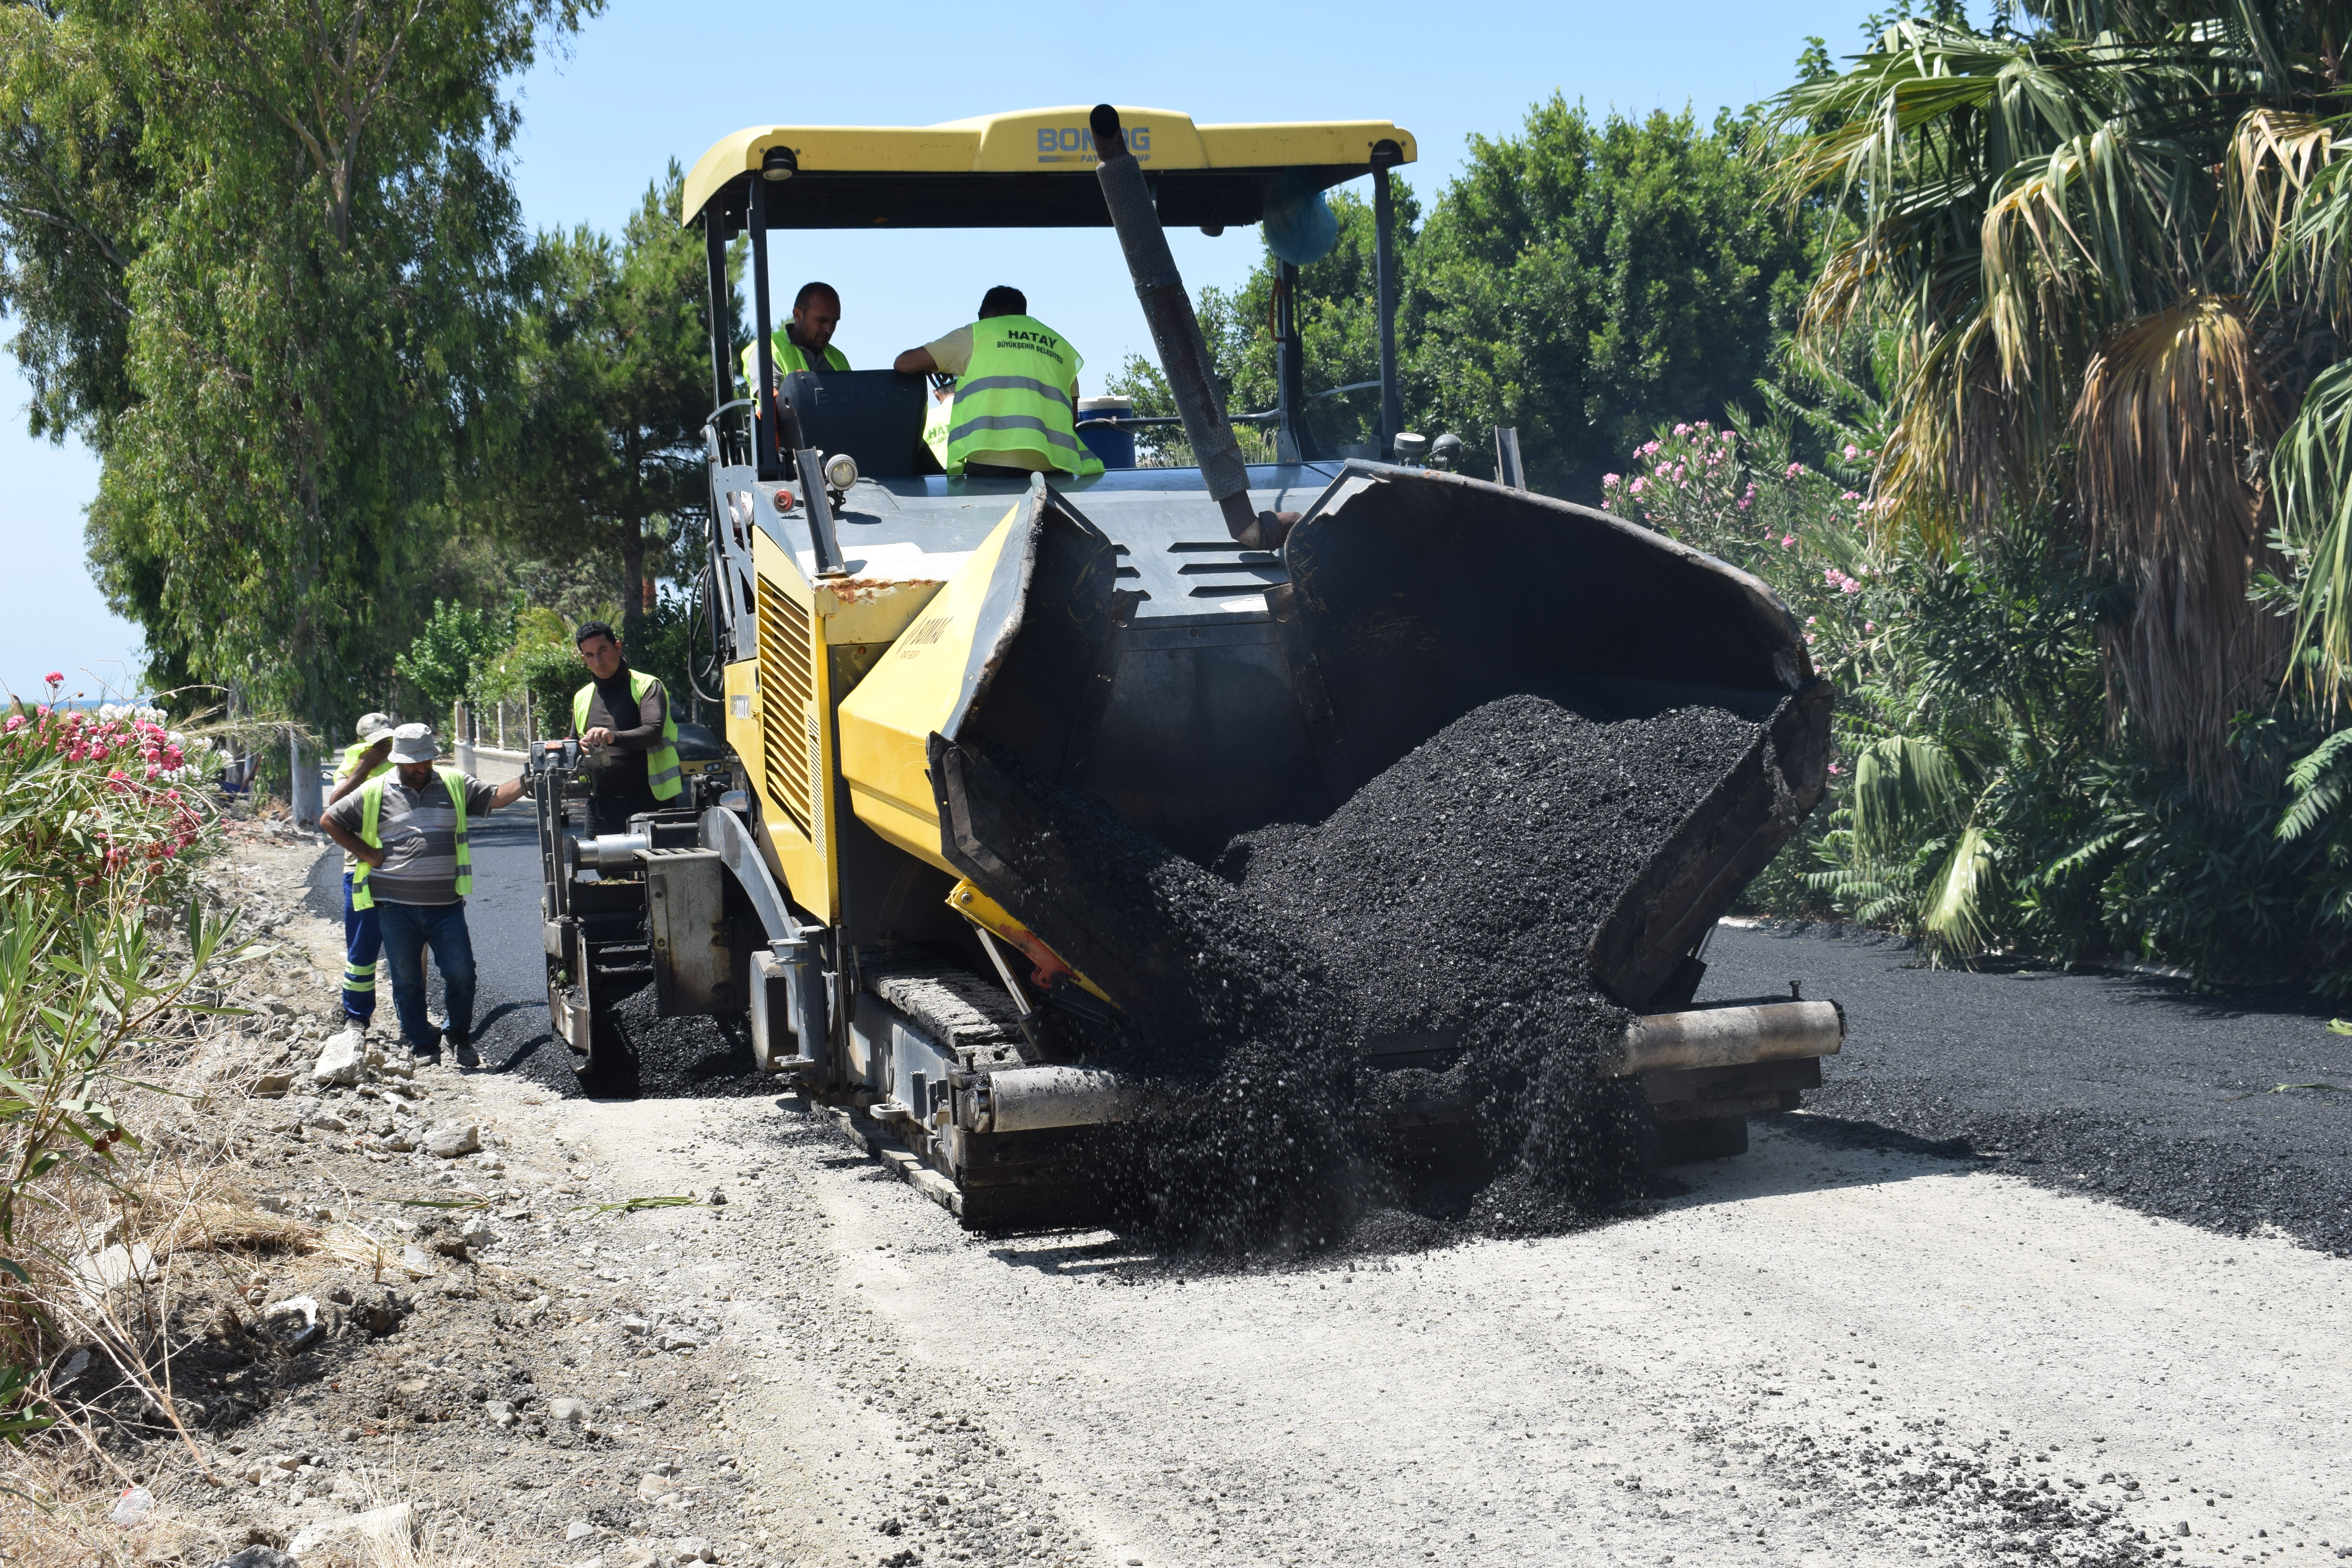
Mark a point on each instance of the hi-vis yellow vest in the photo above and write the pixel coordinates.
(349, 765)
(1014, 401)
(661, 761)
(788, 357)
(371, 816)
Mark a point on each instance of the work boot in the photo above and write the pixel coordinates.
(467, 1056)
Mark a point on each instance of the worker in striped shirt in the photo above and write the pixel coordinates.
(407, 830)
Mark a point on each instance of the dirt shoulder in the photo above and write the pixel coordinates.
(1818, 1352)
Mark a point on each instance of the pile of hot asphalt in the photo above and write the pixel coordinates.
(1446, 908)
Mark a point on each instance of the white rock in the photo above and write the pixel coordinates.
(417, 1260)
(568, 1411)
(579, 1529)
(272, 1085)
(678, 1340)
(692, 1548)
(632, 1324)
(326, 1121)
(452, 1139)
(394, 1526)
(343, 1060)
(134, 1505)
(348, 1492)
(100, 1272)
(477, 1232)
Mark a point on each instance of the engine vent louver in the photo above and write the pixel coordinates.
(787, 689)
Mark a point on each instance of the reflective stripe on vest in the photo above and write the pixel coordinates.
(788, 357)
(1014, 399)
(372, 817)
(661, 761)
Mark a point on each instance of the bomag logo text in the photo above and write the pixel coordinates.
(1075, 143)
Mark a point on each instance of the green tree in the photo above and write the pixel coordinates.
(1587, 282)
(309, 252)
(2075, 232)
(455, 644)
(1582, 281)
(615, 386)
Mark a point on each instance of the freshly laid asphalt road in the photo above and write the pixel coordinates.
(2131, 1087)
(2195, 1105)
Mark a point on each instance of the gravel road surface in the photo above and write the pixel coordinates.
(1907, 1326)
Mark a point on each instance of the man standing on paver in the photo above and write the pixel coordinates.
(363, 758)
(407, 831)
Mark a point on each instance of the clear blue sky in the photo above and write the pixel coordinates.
(647, 82)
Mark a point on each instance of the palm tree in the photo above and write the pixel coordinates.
(2089, 235)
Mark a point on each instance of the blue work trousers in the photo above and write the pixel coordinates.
(362, 941)
(408, 930)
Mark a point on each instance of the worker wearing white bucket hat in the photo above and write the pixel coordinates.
(408, 830)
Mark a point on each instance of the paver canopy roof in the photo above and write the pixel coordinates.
(1019, 170)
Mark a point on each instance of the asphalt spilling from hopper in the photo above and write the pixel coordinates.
(1444, 910)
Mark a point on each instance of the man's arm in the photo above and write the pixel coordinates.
(506, 794)
(914, 362)
(363, 771)
(366, 853)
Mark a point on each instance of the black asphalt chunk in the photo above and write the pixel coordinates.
(1449, 902)
(2132, 1087)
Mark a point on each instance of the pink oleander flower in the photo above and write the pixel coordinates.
(1609, 481)
(1682, 429)
(1794, 470)
(1835, 769)
(54, 678)
(1808, 639)
(1636, 487)
(1851, 452)
(1870, 626)
(1811, 619)
(1788, 542)
(1747, 501)
(1850, 494)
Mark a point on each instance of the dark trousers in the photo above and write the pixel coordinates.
(408, 930)
(611, 812)
(362, 941)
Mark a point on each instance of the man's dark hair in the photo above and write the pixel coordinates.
(594, 629)
(1004, 300)
(801, 300)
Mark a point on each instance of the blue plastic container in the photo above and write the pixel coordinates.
(1115, 448)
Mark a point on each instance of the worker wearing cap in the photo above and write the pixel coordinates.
(622, 717)
(362, 760)
(804, 342)
(1016, 395)
(408, 830)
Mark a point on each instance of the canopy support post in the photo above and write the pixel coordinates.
(1293, 442)
(769, 457)
(1386, 156)
(722, 330)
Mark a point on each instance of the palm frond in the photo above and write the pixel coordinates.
(1954, 912)
(2170, 408)
(2311, 470)
(2320, 782)
(2275, 155)
(1898, 781)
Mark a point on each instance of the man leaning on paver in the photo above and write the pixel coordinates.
(407, 830)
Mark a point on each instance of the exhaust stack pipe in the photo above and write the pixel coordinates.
(1176, 334)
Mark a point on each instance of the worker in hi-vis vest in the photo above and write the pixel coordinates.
(805, 341)
(407, 829)
(622, 717)
(1016, 395)
(362, 760)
